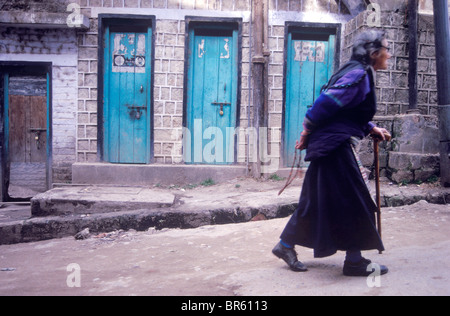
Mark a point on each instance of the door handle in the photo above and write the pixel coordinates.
(142, 89)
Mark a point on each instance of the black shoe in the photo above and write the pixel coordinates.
(361, 268)
(290, 257)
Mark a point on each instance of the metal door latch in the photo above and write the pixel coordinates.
(221, 104)
(37, 135)
(136, 110)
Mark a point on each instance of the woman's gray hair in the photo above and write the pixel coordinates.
(367, 43)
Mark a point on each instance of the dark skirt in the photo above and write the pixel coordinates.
(336, 211)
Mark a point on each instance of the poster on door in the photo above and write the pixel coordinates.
(309, 51)
(129, 53)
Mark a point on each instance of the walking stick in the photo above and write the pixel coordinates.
(376, 142)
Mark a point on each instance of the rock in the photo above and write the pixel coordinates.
(259, 217)
(7, 269)
(84, 234)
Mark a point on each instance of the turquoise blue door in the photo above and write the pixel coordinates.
(309, 66)
(127, 97)
(211, 96)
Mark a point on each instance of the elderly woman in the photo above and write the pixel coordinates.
(336, 211)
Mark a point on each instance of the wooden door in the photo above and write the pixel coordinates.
(212, 95)
(27, 142)
(310, 63)
(127, 97)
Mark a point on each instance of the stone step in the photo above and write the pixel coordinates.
(413, 167)
(78, 200)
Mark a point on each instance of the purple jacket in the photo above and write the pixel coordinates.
(344, 109)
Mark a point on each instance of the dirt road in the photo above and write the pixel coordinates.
(230, 259)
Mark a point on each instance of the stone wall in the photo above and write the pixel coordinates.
(60, 48)
(426, 67)
(169, 66)
(412, 156)
(392, 84)
(86, 144)
(35, 5)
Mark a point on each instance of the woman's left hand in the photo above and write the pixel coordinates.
(303, 143)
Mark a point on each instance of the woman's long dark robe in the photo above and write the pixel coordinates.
(336, 211)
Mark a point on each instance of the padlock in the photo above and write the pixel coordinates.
(36, 138)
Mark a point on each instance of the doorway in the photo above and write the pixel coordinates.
(213, 82)
(126, 85)
(26, 131)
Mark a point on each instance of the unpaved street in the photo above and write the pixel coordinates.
(231, 259)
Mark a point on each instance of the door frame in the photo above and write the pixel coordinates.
(310, 29)
(8, 68)
(125, 22)
(192, 23)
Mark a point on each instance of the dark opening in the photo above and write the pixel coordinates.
(310, 37)
(213, 32)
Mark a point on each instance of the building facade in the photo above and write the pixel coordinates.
(122, 91)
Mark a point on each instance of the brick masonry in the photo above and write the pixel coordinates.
(169, 69)
(60, 48)
(403, 163)
(392, 84)
(75, 82)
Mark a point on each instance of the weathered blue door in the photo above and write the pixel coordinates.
(211, 96)
(309, 66)
(127, 97)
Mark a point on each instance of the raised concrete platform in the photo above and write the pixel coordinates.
(78, 200)
(128, 174)
(67, 210)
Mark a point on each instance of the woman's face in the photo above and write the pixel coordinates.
(380, 58)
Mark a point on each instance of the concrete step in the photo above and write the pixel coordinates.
(82, 199)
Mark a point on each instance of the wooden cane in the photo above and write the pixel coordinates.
(376, 142)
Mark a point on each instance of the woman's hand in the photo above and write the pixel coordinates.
(303, 143)
(379, 133)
